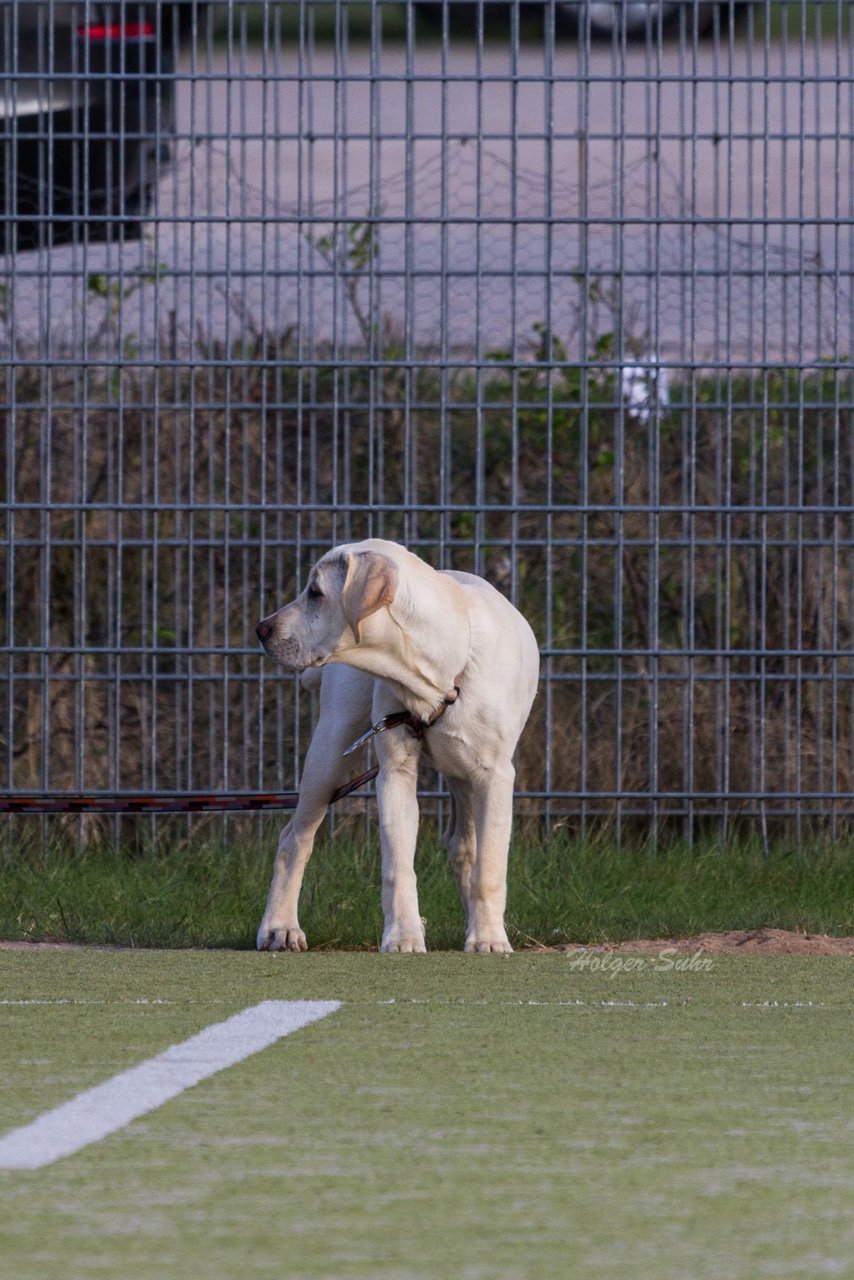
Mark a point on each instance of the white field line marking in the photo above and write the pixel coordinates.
(69, 1000)
(98, 1112)
(462, 1002)
(598, 1004)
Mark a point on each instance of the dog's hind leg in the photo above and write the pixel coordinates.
(461, 838)
(345, 710)
(493, 817)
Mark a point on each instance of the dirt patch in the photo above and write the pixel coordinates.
(36, 946)
(734, 942)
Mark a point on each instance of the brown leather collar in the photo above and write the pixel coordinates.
(413, 725)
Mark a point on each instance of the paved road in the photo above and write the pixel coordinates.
(704, 212)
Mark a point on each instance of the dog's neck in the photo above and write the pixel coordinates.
(424, 694)
(420, 647)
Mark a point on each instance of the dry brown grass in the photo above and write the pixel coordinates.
(690, 580)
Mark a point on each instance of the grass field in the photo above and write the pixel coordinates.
(457, 1116)
(203, 891)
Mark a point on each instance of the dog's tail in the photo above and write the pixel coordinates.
(311, 678)
(452, 820)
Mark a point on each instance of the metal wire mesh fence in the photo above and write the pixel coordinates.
(545, 297)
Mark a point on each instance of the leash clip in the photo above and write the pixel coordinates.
(390, 721)
(417, 728)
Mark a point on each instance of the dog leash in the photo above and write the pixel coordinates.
(164, 802)
(33, 802)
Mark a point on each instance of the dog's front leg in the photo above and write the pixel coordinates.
(280, 928)
(397, 802)
(345, 707)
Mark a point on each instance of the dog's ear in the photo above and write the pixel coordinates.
(370, 585)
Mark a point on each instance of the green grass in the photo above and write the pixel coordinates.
(208, 893)
(493, 1118)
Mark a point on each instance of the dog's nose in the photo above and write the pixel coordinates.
(263, 630)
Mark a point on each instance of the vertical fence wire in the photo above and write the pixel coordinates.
(548, 297)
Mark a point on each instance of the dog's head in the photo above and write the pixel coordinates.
(347, 586)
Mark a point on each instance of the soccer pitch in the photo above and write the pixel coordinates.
(444, 1115)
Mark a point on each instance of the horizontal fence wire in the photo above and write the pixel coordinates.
(561, 294)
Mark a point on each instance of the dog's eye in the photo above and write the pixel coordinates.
(314, 592)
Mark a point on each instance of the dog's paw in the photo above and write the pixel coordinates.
(398, 938)
(484, 943)
(281, 939)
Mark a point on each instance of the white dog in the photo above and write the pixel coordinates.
(454, 667)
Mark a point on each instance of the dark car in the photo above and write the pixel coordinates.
(642, 19)
(86, 116)
(632, 19)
